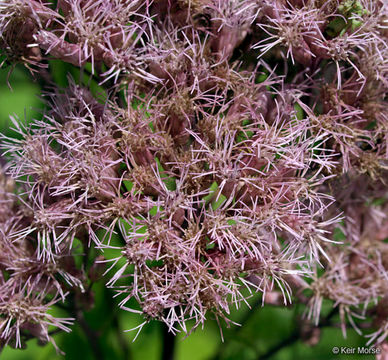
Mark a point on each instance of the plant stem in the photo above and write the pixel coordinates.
(168, 343)
(91, 335)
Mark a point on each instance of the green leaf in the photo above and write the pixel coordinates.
(155, 210)
(128, 185)
(338, 235)
(170, 182)
(213, 188)
(299, 112)
(218, 202)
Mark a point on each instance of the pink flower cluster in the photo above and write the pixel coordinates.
(239, 146)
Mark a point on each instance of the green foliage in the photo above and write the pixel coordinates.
(170, 182)
(351, 12)
(215, 198)
(20, 100)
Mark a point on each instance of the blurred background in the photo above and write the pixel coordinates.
(266, 333)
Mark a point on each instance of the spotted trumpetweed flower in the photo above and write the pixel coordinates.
(234, 147)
